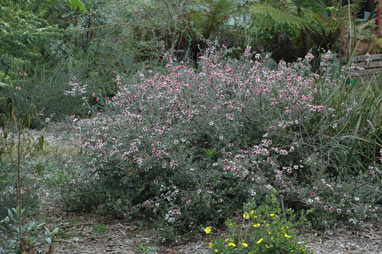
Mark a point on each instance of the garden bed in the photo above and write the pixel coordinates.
(80, 233)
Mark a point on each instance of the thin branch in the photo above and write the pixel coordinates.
(6, 73)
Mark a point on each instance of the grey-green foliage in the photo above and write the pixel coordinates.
(34, 241)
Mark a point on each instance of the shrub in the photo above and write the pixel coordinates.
(190, 146)
(35, 239)
(264, 229)
(17, 235)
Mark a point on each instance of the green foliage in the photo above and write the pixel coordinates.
(17, 186)
(37, 238)
(299, 25)
(76, 5)
(265, 228)
(99, 229)
(26, 56)
(272, 17)
(8, 190)
(24, 39)
(13, 147)
(147, 249)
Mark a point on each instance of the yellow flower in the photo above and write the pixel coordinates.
(260, 241)
(272, 215)
(287, 236)
(245, 245)
(232, 245)
(210, 245)
(269, 232)
(267, 246)
(246, 216)
(208, 230)
(216, 250)
(226, 240)
(252, 212)
(257, 225)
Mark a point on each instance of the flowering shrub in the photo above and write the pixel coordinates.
(190, 146)
(354, 199)
(264, 229)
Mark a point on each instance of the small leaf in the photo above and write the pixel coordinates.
(10, 214)
(39, 167)
(5, 220)
(48, 240)
(41, 143)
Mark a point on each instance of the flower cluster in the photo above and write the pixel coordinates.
(263, 230)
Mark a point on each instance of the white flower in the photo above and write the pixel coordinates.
(211, 123)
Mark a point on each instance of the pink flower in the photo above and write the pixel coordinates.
(230, 117)
(247, 50)
(309, 56)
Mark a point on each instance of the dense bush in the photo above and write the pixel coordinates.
(190, 146)
(28, 62)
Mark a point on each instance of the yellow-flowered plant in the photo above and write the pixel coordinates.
(264, 229)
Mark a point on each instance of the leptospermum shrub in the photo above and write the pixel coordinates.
(191, 145)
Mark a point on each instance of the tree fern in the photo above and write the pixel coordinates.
(269, 16)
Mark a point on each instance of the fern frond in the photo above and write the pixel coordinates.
(269, 16)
